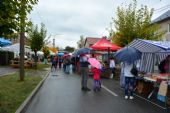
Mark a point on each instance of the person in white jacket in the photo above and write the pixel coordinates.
(112, 67)
(129, 80)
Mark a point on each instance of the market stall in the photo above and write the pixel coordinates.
(149, 82)
(104, 45)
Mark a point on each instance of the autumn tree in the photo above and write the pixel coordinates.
(132, 23)
(46, 52)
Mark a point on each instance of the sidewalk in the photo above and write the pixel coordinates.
(62, 93)
(7, 70)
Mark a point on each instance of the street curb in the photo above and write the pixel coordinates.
(7, 74)
(23, 107)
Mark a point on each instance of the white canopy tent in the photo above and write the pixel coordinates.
(16, 48)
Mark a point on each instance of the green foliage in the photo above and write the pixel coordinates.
(7, 17)
(11, 14)
(37, 37)
(132, 23)
(69, 49)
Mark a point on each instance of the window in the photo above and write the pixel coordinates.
(168, 28)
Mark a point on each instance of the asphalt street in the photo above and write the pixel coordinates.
(62, 93)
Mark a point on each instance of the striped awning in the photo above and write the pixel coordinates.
(152, 52)
(150, 46)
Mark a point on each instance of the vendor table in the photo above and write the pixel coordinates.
(155, 80)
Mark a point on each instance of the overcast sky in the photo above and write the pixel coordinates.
(66, 20)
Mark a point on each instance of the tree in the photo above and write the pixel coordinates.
(69, 49)
(37, 37)
(132, 23)
(13, 18)
(7, 18)
(23, 7)
(11, 14)
(80, 43)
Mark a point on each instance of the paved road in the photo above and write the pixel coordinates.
(7, 70)
(62, 94)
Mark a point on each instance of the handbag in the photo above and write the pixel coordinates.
(134, 70)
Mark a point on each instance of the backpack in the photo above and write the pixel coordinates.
(134, 70)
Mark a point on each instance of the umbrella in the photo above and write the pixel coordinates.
(83, 51)
(60, 54)
(94, 62)
(4, 42)
(66, 55)
(128, 54)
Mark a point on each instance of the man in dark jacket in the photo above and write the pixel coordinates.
(84, 72)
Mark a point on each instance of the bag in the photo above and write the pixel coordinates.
(134, 70)
(163, 88)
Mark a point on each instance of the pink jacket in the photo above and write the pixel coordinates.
(96, 73)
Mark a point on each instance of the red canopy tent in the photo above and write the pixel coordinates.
(104, 45)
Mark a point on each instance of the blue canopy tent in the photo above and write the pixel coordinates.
(152, 52)
(4, 42)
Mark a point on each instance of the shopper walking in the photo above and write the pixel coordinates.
(112, 67)
(129, 80)
(84, 72)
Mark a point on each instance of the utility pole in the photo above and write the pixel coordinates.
(54, 42)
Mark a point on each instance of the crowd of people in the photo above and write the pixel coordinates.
(81, 63)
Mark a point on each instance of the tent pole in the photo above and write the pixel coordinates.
(109, 56)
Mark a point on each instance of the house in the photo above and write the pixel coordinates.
(164, 21)
(89, 41)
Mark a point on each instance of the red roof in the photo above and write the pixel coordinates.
(104, 44)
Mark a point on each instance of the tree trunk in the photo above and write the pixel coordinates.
(35, 58)
(22, 30)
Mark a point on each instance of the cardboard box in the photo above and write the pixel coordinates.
(144, 88)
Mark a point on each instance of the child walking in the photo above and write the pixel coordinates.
(96, 79)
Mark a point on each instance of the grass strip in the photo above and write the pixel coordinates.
(14, 92)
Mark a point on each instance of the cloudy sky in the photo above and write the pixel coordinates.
(66, 20)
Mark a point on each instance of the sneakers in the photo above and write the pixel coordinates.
(126, 97)
(131, 97)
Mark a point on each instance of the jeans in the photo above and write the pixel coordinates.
(96, 84)
(129, 85)
(67, 70)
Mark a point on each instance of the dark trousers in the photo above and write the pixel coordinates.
(84, 76)
(129, 85)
